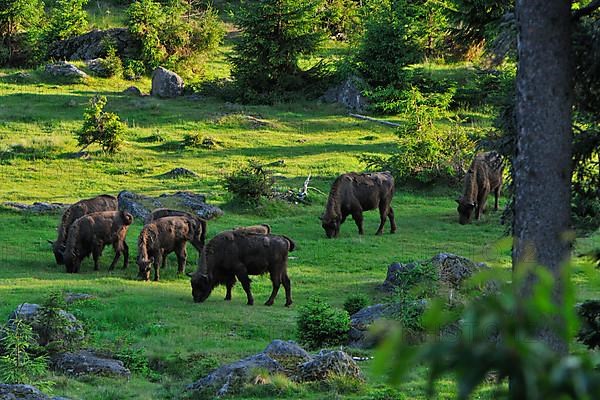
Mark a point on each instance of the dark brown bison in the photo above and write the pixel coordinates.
(165, 235)
(101, 203)
(353, 193)
(484, 176)
(238, 254)
(91, 233)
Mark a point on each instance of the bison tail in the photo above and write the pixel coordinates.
(203, 233)
(291, 244)
(127, 218)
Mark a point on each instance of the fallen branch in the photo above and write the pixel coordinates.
(379, 121)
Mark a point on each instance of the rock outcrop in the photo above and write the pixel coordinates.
(141, 206)
(166, 84)
(92, 45)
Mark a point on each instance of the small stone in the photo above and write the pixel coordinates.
(87, 363)
(327, 364)
(133, 91)
(65, 70)
(166, 84)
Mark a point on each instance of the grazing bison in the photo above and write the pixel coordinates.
(238, 254)
(353, 193)
(101, 203)
(484, 176)
(91, 233)
(163, 236)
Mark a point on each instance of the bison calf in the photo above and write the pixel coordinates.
(484, 176)
(101, 203)
(163, 236)
(238, 254)
(91, 233)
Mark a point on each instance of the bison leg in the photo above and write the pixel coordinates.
(96, 252)
(156, 263)
(276, 281)
(383, 214)
(481, 200)
(288, 289)
(496, 195)
(229, 284)
(392, 220)
(245, 281)
(125, 255)
(117, 249)
(358, 218)
(181, 258)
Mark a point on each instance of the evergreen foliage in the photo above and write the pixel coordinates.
(67, 18)
(274, 35)
(320, 324)
(100, 127)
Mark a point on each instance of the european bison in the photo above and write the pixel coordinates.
(91, 233)
(353, 193)
(101, 203)
(484, 176)
(163, 236)
(238, 254)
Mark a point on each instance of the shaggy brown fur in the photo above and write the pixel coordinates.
(263, 229)
(91, 233)
(353, 193)
(101, 203)
(163, 236)
(224, 260)
(484, 176)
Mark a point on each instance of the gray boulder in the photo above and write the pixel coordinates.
(348, 94)
(92, 45)
(166, 83)
(74, 297)
(231, 377)
(23, 392)
(70, 334)
(87, 363)
(362, 335)
(454, 269)
(97, 66)
(133, 91)
(288, 354)
(395, 276)
(63, 69)
(179, 173)
(141, 206)
(37, 207)
(326, 364)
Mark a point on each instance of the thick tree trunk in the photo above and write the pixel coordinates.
(544, 137)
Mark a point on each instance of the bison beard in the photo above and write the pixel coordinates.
(234, 255)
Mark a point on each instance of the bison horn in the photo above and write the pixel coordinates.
(50, 241)
(189, 274)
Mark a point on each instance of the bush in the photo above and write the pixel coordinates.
(355, 303)
(250, 183)
(320, 324)
(56, 332)
(100, 127)
(174, 33)
(111, 64)
(426, 153)
(339, 16)
(68, 18)
(18, 362)
(133, 69)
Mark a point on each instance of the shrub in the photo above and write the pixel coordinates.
(173, 33)
(111, 63)
(68, 18)
(339, 16)
(320, 324)
(355, 303)
(250, 183)
(133, 69)
(56, 332)
(425, 153)
(18, 364)
(101, 127)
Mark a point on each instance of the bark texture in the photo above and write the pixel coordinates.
(543, 160)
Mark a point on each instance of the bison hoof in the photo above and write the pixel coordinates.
(250, 303)
(269, 303)
(227, 299)
(288, 303)
(378, 233)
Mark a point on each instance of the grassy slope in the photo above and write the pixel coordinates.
(182, 339)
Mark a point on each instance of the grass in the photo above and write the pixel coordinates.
(181, 341)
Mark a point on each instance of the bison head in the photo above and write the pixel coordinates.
(331, 226)
(144, 267)
(58, 250)
(465, 211)
(201, 287)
